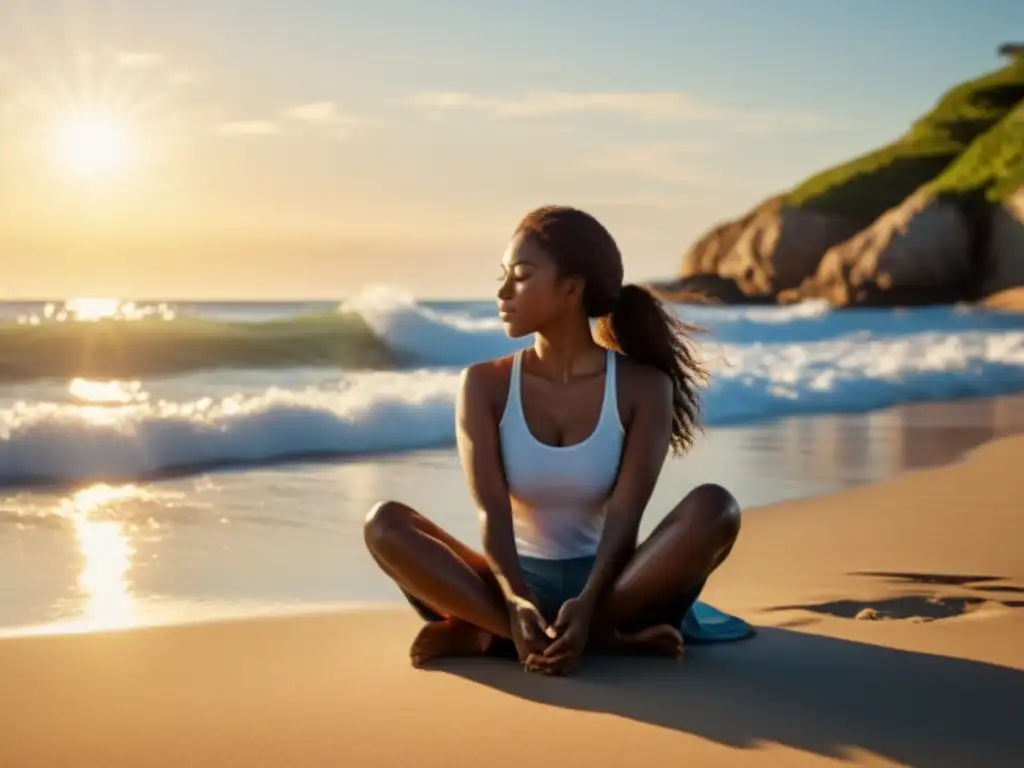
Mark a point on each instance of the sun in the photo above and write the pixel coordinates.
(93, 144)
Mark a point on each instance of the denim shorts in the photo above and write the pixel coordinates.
(552, 582)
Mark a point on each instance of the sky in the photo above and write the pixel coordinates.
(310, 148)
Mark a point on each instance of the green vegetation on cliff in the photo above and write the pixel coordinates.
(991, 168)
(865, 187)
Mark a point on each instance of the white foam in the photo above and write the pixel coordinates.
(434, 337)
(854, 374)
(364, 413)
(381, 412)
(439, 339)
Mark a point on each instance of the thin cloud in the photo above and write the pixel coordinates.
(655, 106)
(671, 162)
(316, 112)
(650, 106)
(138, 59)
(325, 116)
(321, 117)
(248, 128)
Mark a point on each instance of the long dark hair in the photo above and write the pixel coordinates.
(631, 319)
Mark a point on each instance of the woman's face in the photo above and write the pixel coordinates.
(531, 295)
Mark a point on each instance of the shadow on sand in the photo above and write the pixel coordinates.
(921, 606)
(812, 693)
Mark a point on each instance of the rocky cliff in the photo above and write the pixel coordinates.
(934, 217)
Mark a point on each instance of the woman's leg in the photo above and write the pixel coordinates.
(682, 551)
(443, 573)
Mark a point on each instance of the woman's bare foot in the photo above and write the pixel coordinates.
(659, 640)
(450, 637)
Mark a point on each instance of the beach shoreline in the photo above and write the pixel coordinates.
(288, 538)
(890, 624)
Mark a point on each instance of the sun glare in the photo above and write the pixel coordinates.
(93, 145)
(107, 555)
(92, 309)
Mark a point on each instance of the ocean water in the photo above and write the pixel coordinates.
(168, 461)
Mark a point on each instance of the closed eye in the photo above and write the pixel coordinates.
(521, 274)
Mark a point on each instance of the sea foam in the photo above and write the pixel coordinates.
(765, 363)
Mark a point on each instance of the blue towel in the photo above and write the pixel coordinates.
(701, 623)
(706, 624)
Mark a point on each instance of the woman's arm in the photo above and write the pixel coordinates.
(648, 437)
(480, 452)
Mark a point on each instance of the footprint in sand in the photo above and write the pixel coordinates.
(921, 606)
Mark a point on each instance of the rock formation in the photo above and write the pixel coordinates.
(773, 248)
(934, 217)
(706, 289)
(918, 252)
(1004, 259)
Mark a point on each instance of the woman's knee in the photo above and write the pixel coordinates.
(385, 521)
(714, 507)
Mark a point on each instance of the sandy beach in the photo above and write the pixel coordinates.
(252, 249)
(891, 632)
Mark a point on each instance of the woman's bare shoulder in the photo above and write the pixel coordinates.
(641, 385)
(488, 380)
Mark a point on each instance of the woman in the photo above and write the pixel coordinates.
(562, 444)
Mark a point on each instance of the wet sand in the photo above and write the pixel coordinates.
(891, 632)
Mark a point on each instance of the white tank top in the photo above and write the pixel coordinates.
(558, 494)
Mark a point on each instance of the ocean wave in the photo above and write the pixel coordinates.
(427, 335)
(383, 328)
(379, 328)
(377, 412)
(364, 413)
(114, 348)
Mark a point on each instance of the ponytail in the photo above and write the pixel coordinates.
(632, 320)
(640, 327)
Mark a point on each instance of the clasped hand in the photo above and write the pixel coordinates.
(556, 648)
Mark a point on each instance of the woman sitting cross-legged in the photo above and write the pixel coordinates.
(562, 444)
